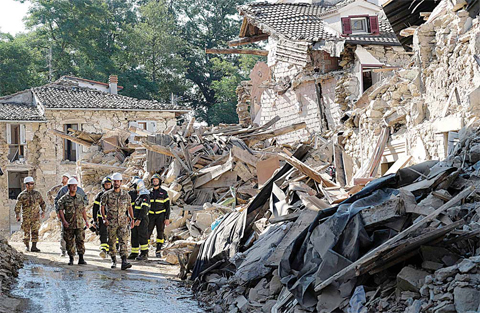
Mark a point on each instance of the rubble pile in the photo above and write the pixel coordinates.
(383, 249)
(10, 262)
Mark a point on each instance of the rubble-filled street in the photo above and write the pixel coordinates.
(348, 180)
(46, 284)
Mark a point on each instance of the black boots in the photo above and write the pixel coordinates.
(158, 253)
(114, 262)
(81, 261)
(34, 247)
(71, 260)
(125, 264)
(132, 256)
(143, 256)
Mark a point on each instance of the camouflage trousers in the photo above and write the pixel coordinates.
(30, 227)
(63, 245)
(74, 238)
(122, 233)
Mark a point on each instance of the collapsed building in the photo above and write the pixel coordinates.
(321, 57)
(34, 127)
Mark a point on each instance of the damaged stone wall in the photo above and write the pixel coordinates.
(7, 215)
(44, 151)
(427, 104)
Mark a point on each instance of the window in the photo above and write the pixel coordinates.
(150, 126)
(16, 142)
(15, 183)
(69, 148)
(360, 24)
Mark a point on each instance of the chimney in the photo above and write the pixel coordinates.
(112, 82)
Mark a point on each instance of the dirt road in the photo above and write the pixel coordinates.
(48, 284)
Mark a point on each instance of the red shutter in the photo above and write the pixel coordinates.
(346, 26)
(374, 28)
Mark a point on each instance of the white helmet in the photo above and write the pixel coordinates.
(140, 184)
(66, 175)
(117, 176)
(28, 180)
(72, 181)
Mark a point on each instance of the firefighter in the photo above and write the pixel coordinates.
(97, 218)
(139, 237)
(159, 214)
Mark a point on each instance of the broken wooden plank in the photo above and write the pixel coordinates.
(214, 173)
(307, 170)
(254, 138)
(334, 194)
(399, 164)
(69, 137)
(373, 254)
(140, 131)
(237, 51)
(102, 166)
(266, 168)
(244, 156)
(247, 40)
(243, 172)
(157, 148)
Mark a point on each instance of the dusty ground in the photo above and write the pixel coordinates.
(50, 285)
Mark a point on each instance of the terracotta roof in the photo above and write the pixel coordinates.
(304, 22)
(20, 112)
(73, 97)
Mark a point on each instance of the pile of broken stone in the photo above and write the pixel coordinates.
(10, 262)
(407, 242)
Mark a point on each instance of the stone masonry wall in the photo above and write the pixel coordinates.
(45, 150)
(419, 104)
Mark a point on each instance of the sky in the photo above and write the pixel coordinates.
(11, 15)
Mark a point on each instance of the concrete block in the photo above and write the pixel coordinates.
(410, 279)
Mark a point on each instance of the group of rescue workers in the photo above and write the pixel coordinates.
(116, 214)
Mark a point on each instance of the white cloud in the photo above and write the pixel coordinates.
(11, 15)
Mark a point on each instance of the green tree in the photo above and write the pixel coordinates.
(232, 72)
(20, 64)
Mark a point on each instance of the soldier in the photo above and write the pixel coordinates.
(61, 193)
(140, 229)
(159, 214)
(97, 217)
(29, 202)
(71, 208)
(114, 204)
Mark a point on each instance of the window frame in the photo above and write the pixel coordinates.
(365, 23)
(74, 147)
(21, 145)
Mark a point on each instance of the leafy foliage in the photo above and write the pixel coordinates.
(157, 47)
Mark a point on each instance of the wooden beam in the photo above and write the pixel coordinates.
(157, 148)
(254, 138)
(140, 131)
(102, 166)
(214, 172)
(307, 170)
(71, 138)
(247, 40)
(237, 51)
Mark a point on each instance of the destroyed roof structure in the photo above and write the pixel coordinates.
(321, 56)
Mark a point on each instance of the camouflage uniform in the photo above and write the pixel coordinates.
(116, 204)
(74, 234)
(29, 203)
(63, 191)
